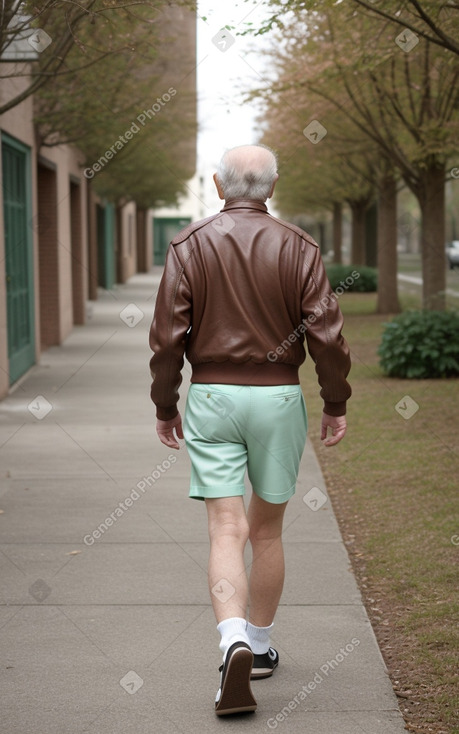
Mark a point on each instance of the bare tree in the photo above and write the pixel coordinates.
(399, 92)
(433, 20)
(437, 21)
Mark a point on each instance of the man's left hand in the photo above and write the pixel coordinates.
(165, 431)
(337, 425)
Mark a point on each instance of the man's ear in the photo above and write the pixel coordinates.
(272, 187)
(219, 188)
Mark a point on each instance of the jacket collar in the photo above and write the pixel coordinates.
(245, 204)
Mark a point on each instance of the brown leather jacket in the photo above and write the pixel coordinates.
(240, 292)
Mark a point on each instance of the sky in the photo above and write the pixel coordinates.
(228, 65)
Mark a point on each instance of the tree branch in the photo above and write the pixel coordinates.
(443, 40)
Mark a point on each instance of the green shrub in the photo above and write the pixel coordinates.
(421, 344)
(358, 278)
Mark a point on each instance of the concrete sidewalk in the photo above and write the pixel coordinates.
(105, 619)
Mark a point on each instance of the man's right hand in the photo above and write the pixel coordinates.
(337, 425)
(165, 431)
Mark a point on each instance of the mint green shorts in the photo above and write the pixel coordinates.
(229, 429)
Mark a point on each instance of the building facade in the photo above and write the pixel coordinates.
(59, 242)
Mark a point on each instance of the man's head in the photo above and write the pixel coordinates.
(247, 172)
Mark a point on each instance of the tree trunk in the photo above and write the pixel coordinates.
(387, 247)
(337, 232)
(358, 209)
(431, 196)
(322, 240)
(93, 276)
(371, 235)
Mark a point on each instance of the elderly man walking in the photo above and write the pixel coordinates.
(240, 293)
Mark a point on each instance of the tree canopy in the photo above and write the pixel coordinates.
(361, 79)
(102, 80)
(434, 20)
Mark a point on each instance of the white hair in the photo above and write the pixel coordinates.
(245, 172)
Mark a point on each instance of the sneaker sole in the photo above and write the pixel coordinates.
(236, 696)
(261, 673)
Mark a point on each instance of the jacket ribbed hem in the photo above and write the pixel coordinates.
(245, 373)
(335, 409)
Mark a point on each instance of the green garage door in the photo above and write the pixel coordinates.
(164, 230)
(106, 245)
(19, 256)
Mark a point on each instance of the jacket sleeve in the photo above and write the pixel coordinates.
(171, 321)
(323, 320)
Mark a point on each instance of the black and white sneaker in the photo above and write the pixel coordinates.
(264, 665)
(235, 695)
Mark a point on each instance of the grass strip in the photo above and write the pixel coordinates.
(393, 483)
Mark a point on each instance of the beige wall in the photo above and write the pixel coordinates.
(71, 266)
(127, 241)
(177, 68)
(149, 240)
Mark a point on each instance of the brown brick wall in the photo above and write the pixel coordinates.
(142, 254)
(78, 259)
(92, 268)
(48, 256)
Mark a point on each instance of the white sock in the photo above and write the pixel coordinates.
(232, 630)
(259, 638)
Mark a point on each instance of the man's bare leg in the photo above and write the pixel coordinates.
(268, 568)
(228, 533)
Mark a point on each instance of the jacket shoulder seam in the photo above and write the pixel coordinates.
(191, 228)
(304, 235)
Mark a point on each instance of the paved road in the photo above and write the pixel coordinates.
(106, 624)
(418, 281)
